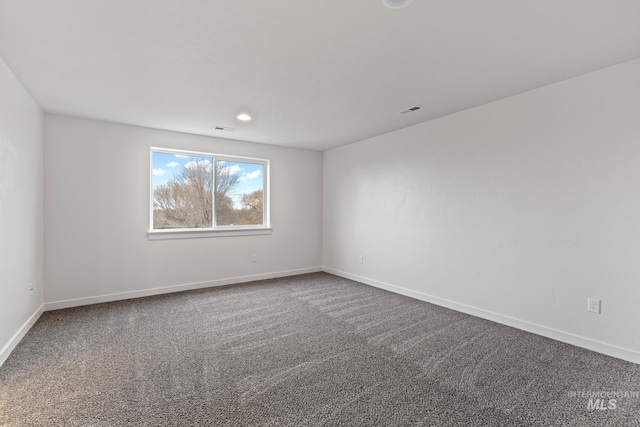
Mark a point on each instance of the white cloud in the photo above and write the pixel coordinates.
(181, 156)
(173, 164)
(231, 170)
(159, 172)
(250, 175)
(200, 163)
(254, 174)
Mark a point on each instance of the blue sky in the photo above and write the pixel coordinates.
(166, 165)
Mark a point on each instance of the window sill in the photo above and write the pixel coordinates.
(197, 234)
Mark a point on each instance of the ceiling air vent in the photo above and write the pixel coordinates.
(223, 128)
(410, 110)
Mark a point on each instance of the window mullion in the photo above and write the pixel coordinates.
(213, 192)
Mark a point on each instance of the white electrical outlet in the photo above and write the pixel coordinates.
(253, 258)
(361, 259)
(32, 285)
(593, 305)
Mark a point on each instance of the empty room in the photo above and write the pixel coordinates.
(319, 213)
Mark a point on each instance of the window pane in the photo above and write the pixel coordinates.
(182, 191)
(239, 193)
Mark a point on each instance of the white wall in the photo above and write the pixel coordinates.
(97, 208)
(21, 147)
(517, 211)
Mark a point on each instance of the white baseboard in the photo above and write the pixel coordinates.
(76, 302)
(15, 339)
(566, 337)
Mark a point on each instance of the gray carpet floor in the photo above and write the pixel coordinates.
(301, 351)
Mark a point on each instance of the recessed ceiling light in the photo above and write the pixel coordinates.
(396, 4)
(244, 117)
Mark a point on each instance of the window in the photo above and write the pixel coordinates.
(193, 191)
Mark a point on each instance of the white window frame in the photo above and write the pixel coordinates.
(214, 231)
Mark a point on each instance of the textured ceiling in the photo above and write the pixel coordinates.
(313, 73)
